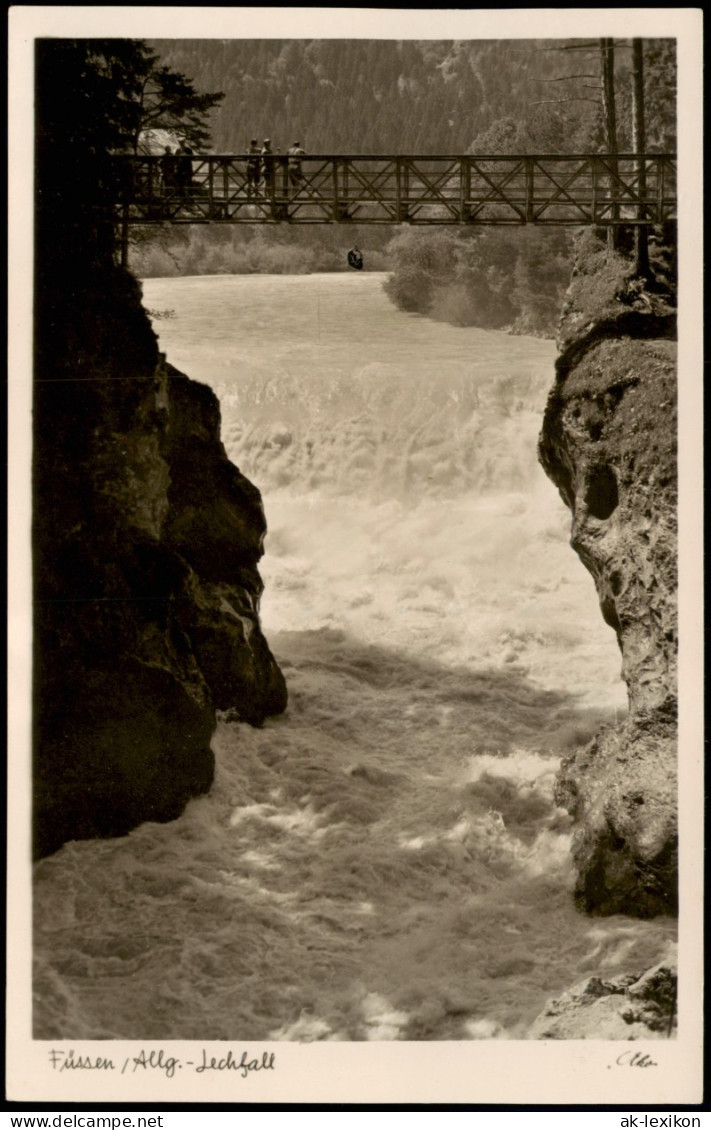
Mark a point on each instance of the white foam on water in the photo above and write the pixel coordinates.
(484, 1030)
(397, 460)
(386, 860)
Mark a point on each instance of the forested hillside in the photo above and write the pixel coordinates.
(417, 97)
(366, 96)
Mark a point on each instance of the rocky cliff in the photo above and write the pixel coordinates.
(146, 544)
(633, 1006)
(609, 443)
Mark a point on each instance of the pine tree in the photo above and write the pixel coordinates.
(167, 100)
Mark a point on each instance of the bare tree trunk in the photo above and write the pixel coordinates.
(641, 231)
(607, 52)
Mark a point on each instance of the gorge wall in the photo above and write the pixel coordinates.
(146, 544)
(609, 443)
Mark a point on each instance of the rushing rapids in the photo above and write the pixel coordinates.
(385, 860)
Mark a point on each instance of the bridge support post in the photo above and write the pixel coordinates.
(661, 167)
(124, 236)
(529, 190)
(465, 187)
(641, 245)
(398, 188)
(402, 183)
(340, 210)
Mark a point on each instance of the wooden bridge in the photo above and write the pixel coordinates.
(588, 189)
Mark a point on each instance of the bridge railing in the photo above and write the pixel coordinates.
(589, 189)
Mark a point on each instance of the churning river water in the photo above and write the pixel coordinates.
(384, 861)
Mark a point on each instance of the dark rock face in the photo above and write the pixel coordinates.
(631, 1007)
(146, 544)
(609, 444)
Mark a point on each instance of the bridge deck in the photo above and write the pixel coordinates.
(588, 189)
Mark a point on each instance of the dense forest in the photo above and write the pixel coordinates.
(417, 97)
(365, 96)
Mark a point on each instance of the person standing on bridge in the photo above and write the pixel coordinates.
(296, 174)
(253, 163)
(168, 169)
(268, 164)
(184, 169)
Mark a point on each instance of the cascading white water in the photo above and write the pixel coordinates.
(386, 860)
(397, 461)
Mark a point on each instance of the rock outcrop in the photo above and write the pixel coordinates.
(146, 544)
(609, 444)
(631, 1007)
(146, 538)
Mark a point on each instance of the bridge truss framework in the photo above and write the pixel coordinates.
(588, 189)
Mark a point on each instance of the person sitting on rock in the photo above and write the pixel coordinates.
(355, 259)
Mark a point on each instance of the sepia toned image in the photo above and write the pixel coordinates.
(354, 545)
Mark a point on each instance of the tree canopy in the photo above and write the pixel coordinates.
(167, 100)
(438, 96)
(95, 98)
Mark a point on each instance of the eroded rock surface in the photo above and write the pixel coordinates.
(146, 544)
(631, 1007)
(609, 444)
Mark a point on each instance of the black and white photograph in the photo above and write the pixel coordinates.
(348, 598)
